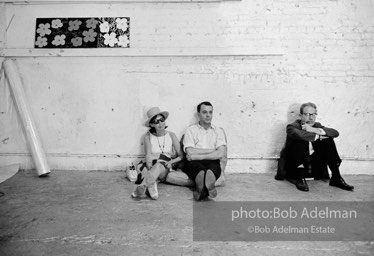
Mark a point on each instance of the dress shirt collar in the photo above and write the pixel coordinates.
(212, 126)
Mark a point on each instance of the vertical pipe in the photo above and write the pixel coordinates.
(2, 30)
(24, 112)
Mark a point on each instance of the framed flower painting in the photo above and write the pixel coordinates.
(112, 32)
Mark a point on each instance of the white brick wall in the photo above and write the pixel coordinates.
(323, 53)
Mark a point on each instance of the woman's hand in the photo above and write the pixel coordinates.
(169, 165)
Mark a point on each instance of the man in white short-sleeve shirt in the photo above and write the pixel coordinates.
(204, 145)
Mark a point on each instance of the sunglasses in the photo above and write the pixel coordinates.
(157, 121)
(310, 115)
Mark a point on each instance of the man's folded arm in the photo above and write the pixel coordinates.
(296, 133)
(330, 132)
(191, 150)
(216, 154)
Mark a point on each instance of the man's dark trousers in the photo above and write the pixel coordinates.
(325, 154)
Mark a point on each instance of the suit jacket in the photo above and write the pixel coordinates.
(295, 133)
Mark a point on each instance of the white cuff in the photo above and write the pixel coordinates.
(316, 138)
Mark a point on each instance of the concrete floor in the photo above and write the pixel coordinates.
(92, 213)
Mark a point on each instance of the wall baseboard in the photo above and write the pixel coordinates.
(120, 163)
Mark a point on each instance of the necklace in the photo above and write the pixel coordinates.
(163, 144)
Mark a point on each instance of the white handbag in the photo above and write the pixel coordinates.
(131, 173)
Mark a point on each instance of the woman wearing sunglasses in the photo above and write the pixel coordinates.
(162, 151)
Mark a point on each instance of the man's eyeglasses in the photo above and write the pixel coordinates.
(157, 121)
(310, 115)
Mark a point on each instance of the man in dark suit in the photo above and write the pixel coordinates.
(310, 145)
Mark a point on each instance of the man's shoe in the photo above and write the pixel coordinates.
(279, 177)
(340, 183)
(210, 181)
(153, 191)
(199, 183)
(139, 191)
(302, 185)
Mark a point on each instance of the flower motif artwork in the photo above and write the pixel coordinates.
(89, 36)
(104, 27)
(43, 29)
(74, 25)
(41, 41)
(91, 23)
(76, 41)
(56, 23)
(104, 32)
(110, 39)
(123, 41)
(59, 40)
(122, 24)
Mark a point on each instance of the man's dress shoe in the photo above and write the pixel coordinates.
(302, 185)
(340, 183)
